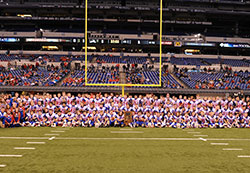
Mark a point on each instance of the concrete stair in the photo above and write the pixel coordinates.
(179, 81)
(60, 83)
(122, 77)
(93, 60)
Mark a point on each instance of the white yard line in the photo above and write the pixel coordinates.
(244, 156)
(201, 135)
(219, 143)
(52, 134)
(8, 155)
(126, 132)
(203, 139)
(53, 137)
(35, 142)
(232, 149)
(5, 137)
(24, 148)
(228, 139)
(2, 166)
(57, 131)
(84, 138)
(134, 139)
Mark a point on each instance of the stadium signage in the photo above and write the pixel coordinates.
(169, 43)
(200, 44)
(235, 45)
(114, 41)
(51, 40)
(103, 36)
(177, 44)
(9, 39)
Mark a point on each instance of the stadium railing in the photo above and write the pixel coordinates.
(118, 90)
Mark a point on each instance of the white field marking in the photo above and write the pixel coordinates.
(194, 132)
(191, 139)
(203, 139)
(219, 143)
(51, 134)
(53, 137)
(5, 137)
(2, 166)
(201, 135)
(232, 149)
(126, 129)
(24, 148)
(244, 156)
(126, 132)
(134, 139)
(8, 155)
(35, 142)
(228, 139)
(57, 131)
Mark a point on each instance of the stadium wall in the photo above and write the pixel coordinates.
(155, 90)
(164, 55)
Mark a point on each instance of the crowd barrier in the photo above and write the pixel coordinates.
(154, 90)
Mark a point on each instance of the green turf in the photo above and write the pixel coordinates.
(78, 155)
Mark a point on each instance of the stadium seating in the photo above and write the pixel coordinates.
(40, 77)
(216, 80)
(78, 78)
(117, 59)
(208, 61)
(152, 78)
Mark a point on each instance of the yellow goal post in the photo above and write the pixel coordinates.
(119, 84)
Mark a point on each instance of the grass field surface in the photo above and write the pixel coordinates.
(124, 150)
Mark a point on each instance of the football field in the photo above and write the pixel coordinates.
(124, 150)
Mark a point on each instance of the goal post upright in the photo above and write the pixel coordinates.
(123, 88)
(160, 44)
(86, 41)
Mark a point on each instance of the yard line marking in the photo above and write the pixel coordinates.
(201, 135)
(57, 131)
(35, 142)
(203, 139)
(243, 156)
(191, 139)
(3, 137)
(24, 148)
(2, 166)
(219, 143)
(51, 134)
(228, 139)
(232, 149)
(8, 155)
(126, 132)
(52, 138)
(134, 139)
(194, 132)
(126, 129)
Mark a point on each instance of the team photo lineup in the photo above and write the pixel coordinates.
(97, 110)
(124, 86)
